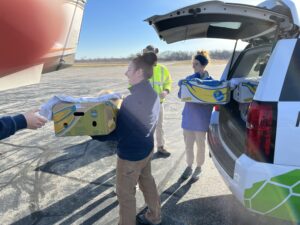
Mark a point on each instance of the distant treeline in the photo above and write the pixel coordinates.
(165, 56)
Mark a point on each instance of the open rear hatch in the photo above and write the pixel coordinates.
(216, 19)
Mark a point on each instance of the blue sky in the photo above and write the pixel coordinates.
(116, 28)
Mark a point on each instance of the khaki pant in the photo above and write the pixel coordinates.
(129, 173)
(190, 137)
(159, 132)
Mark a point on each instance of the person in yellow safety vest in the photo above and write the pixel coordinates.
(161, 82)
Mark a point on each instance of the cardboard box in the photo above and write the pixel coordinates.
(78, 119)
(245, 90)
(193, 91)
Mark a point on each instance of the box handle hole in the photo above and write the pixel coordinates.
(78, 113)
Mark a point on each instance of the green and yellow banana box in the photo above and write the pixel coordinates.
(79, 119)
(197, 92)
(245, 91)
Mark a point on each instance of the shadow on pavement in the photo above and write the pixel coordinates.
(217, 210)
(78, 156)
(170, 197)
(67, 206)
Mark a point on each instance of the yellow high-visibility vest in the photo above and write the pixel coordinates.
(161, 79)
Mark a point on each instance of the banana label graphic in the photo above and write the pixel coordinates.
(245, 91)
(199, 93)
(71, 119)
(251, 87)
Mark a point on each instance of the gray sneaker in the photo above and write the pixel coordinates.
(186, 173)
(196, 173)
(161, 150)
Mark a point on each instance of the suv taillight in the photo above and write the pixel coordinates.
(217, 108)
(260, 132)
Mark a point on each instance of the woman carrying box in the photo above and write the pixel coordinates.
(136, 122)
(195, 120)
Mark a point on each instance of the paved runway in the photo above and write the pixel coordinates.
(49, 180)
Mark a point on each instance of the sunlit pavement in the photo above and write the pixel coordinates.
(70, 180)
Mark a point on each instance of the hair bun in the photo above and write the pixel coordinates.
(203, 53)
(150, 48)
(149, 58)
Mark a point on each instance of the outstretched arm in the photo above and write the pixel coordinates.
(11, 124)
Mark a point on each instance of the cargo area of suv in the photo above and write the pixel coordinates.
(254, 138)
(249, 65)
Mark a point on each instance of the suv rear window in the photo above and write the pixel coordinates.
(252, 63)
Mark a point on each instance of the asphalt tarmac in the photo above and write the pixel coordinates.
(70, 180)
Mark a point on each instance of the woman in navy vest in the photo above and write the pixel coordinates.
(136, 122)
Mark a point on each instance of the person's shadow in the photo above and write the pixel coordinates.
(78, 156)
(171, 196)
(77, 202)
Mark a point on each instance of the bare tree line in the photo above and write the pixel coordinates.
(164, 56)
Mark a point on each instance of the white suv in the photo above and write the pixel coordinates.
(255, 145)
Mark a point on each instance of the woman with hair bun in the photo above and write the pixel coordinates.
(195, 120)
(136, 122)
